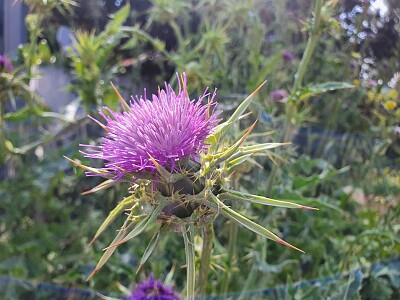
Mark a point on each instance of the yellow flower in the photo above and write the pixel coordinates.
(355, 55)
(393, 94)
(356, 82)
(390, 105)
(370, 96)
(397, 113)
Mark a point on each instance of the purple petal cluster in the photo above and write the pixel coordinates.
(153, 290)
(287, 55)
(279, 95)
(168, 128)
(5, 64)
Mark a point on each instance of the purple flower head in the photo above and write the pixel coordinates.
(153, 290)
(287, 55)
(5, 64)
(353, 64)
(168, 128)
(279, 95)
(372, 83)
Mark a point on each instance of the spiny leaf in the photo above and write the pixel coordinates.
(260, 147)
(92, 170)
(142, 225)
(220, 129)
(110, 250)
(124, 204)
(237, 161)
(117, 20)
(106, 184)
(233, 215)
(235, 195)
(255, 150)
(220, 157)
(150, 248)
(125, 106)
(167, 177)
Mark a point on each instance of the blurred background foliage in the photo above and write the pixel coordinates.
(340, 110)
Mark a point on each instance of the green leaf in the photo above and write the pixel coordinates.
(232, 163)
(257, 78)
(233, 215)
(220, 157)
(166, 176)
(92, 170)
(118, 19)
(259, 148)
(23, 113)
(235, 195)
(125, 203)
(110, 250)
(150, 248)
(142, 225)
(104, 185)
(308, 91)
(220, 129)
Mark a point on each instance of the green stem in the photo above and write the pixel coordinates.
(251, 277)
(177, 31)
(311, 43)
(190, 270)
(208, 234)
(3, 148)
(232, 255)
(291, 108)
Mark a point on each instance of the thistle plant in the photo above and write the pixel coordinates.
(5, 64)
(153, 290)
(174, 154)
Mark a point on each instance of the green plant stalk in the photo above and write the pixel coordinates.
(251, 277)
(3, 148)
(190, 262)
(291, 108)
(336, 104)
(232, 257)
(207, 234)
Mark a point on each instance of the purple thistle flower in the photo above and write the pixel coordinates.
(153, 290)
(169, 128)
(5, 64)
(372, 83)
(287, 55)
(279, 95)
(353, 64)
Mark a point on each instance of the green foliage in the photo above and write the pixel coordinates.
(93, 73)
(46, 225)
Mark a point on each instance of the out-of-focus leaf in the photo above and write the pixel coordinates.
(23, 113)
(309, 91)
(118, 19)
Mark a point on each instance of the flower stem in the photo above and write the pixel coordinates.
(190, 270)
(232, 256)
(207, 234)
(291, 108)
